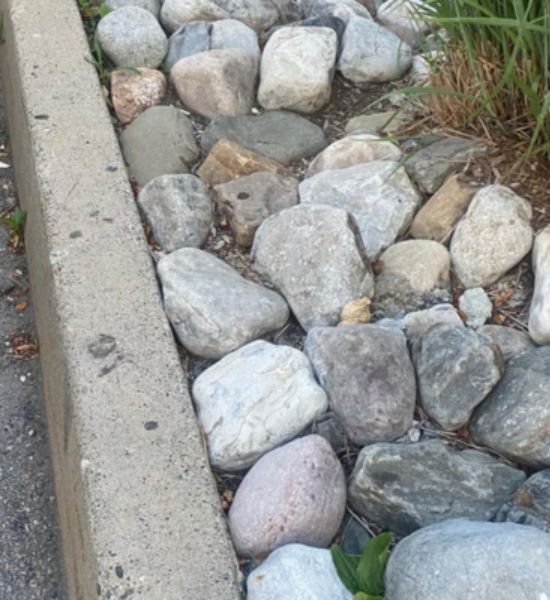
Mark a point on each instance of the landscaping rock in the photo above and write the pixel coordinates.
(414, 272)
(132, 37)
(353, 150)
(371, 53)
(153, 6)
(493, 237)
(354, 537)
(159, 141)
(416, 324)
(378, 194)
(293, 494)
(333, 431)
(456, 369)
(280, 135)
(539, 316)
(211, 307)
(403, 487)
(248, 201)
(356, 312)
(530, 504)
(400, 17)
(511, 342)
(389, 122)
(438, 217)
(459, 560)
(297, 572)
(476, 306)
(430, 166)
(216, 82)
(297, 69)
(178, 209)
(227, 161)
(231, 33)
(341, 9)
(515, 418)
(255, 399)
(369, 378)
(311, 254)
(132, 93)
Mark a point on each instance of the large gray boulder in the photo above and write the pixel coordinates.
(403, 487)
(461, 560)
(211, 307)
(369, 378)
(311, 254)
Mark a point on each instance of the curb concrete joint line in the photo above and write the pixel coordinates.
(139, 512)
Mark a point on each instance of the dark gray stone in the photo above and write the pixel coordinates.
(280, 135)
(515, 418)
(456, 369)
(191, 38)
(530, 504)
(333, 431)
(510, 341)
(354, 537)
(403, 487)
(369, 378)
(461, 560)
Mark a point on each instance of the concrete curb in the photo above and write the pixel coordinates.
(139, 514)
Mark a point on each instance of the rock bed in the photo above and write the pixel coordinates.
(334, 302)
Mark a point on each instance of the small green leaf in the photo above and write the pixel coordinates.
(346, 567)
(104, 10)
(365, 596)
(370, 572)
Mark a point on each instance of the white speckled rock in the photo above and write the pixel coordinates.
(132, 93)
(312, 255)
(371, 53)
(461, 560)
(293, 494)
(400, 17)
(216, 82)
(178, 209)
(132, 37)
(342, 9)
(539, 317)
(353, 150)
(379, 195)
(297, 69)
(153, 6)
(211, 307)
(255, 399)
(297, 572)
(477, 307)
(493, 237)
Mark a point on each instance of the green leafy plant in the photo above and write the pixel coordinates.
(91, 12)
(363, 575)
(16, 224)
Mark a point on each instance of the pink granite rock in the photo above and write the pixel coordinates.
(133, 92)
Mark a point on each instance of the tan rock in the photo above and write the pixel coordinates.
(437, 218)
(216, 82)
(132, 93)
(228, 160)
(356, 311)
(388, 122)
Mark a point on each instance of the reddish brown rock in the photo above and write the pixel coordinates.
(132, 92)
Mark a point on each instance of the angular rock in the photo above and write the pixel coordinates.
(297, 572)
(132, 93)
(438, 217)
(159, 141)
(280, 135)
(416, 324)
(312, 255)
(511, 342)
(414, 272)
(248, 201)
(371, 53)
(530, 504)
(178, 209)
(353, 150)
(216, 82)
(356, 312)
(153, 6)
(476, 306)
(515, 418)
(255, 399)
(459, 560)
(211, 307)
(132, 37)
(493, 237)
(430, 166)
(539, 316)
(378, 194)
(293, 494)
(403, 487)
(369, 378)
(400, 16)
(456, 369)
(199, 36)
(227, 161)
(297, 69)
(389, 122)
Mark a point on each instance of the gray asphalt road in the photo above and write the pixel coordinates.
(30, 566)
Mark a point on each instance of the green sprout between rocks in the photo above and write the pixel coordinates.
(16, 225)
(363, 575)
